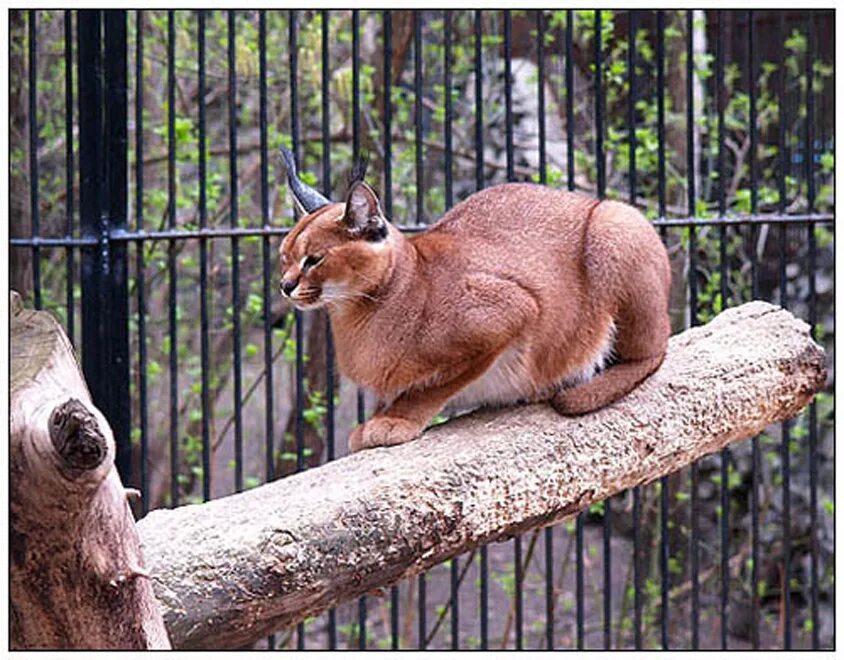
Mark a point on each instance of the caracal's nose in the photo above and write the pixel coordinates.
(288, 286)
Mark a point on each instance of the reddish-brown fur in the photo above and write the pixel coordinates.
(516, 294)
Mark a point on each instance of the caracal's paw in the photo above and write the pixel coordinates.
(383, 431)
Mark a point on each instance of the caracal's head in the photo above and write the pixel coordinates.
(337, 252)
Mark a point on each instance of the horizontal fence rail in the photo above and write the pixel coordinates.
(148, 201)
(182, 234)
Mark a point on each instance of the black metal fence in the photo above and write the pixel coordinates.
(156, 202)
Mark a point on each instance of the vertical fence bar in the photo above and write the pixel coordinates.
(417, 114)
(449, 193)
(722, 210)
(102, 203)
(269, 422)
(299, 421)
(356, 128)
(570, 116)
(665, 577)
(812, 247)
(205, 349)
(600, 164)
(785, 446)
(299, 425)
(637, 569)
(631, 103)
(325, 117)
(330, 385)
(479, 184)
(420, 195)
(388, 209)
(388, 113)
(692, 199)
(509, 147)
(265, 248)
(543, 179)
(508, 112)
(754, 194)
(602, 184)
(140, 261)
(34, 209)
(754, 493)
(235, 247)
(115, 72)
(660, 109)
(693, 312)
(172, 273)
(69, 171)
(782, 156)
(637, 496)
(540, 92)
(785, 453)
(570, 148)
(330, 391)
(454, 567)
(265, 253)
(356, 84)
(479, 107)
(692, 194)
(362, 609)
(266, 302)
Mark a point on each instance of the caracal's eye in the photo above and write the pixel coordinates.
(312, 261)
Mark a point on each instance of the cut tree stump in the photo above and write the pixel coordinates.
(77, 575)
(230, 571)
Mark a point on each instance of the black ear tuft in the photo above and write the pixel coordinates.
(363, 217)
(307, 199)
(358, 170)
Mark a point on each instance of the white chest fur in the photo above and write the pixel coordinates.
(509, 381)
(597, 362)
(506, 381)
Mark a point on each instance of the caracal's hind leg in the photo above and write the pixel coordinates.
(641, 340)
(626, 261)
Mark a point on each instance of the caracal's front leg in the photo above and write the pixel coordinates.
(406, 417)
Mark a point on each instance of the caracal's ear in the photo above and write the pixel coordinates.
(363, 217)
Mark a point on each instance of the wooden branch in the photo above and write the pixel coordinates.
(77, 575)
(230, 571)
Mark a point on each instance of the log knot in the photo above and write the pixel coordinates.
(76, 435)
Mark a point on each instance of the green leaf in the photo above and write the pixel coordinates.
(827, 162)
(796, 42)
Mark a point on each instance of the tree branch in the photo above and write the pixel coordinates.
(230, 571)
(77, 575)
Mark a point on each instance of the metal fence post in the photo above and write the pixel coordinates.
(102, 97)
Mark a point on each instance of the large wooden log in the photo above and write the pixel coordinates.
(232, 570)
(77, 576)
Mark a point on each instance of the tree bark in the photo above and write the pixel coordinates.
(77, 575)
(233, 570)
